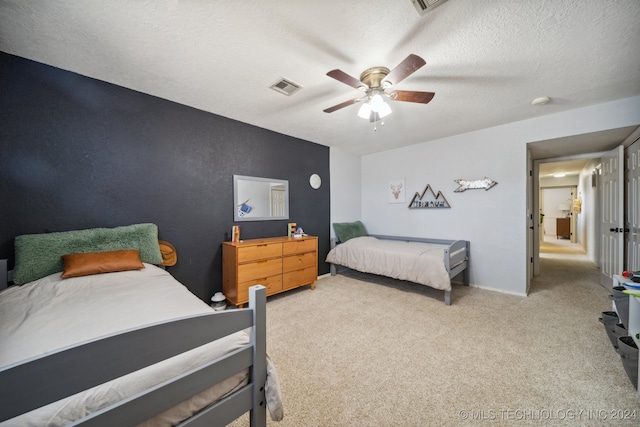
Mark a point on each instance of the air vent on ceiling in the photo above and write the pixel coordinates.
(425, 6)
(285, 86)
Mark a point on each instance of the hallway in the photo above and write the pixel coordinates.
(553, 248)
(563, 262)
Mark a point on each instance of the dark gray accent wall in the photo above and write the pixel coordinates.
(77, 153)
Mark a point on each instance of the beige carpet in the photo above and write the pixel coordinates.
(368, 351)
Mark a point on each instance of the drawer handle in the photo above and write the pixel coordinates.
(261, 262)
(261, 246)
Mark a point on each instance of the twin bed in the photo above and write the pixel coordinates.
(96, 332)
(132, 347)
(429, 262)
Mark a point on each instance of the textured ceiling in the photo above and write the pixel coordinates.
(486, 59)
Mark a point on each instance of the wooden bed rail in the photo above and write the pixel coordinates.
(41, 380)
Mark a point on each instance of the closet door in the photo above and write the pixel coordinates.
(632, 213)
(612, 216)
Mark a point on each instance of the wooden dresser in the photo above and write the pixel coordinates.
(563, 228)
(277, 263)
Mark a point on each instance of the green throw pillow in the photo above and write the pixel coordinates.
(349, 230)
(39, 255)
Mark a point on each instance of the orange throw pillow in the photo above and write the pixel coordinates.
(84, 264)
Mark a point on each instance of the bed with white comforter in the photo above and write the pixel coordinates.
(429, 262)
(50, 313)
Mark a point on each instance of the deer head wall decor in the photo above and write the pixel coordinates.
(396, 189)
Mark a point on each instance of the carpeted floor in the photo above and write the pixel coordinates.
(369, 351)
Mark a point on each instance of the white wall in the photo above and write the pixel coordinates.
(565, 181)
(588, 229)
(346, 189)
(493, 221)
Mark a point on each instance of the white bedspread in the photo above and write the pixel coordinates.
(416, 262)
(51, 313)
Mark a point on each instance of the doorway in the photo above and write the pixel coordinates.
(590, 229)
(557, 212)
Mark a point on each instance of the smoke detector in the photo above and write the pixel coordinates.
(285, 86)
(425, 6)
(543, 100)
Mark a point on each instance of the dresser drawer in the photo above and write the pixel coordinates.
(262, 251)
(259, 269)
(299, 246)
(297, 262)
(297, 278)
(273, 285)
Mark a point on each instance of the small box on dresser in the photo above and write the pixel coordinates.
(277, 263)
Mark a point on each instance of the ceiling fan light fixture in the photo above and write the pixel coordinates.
(377, 102)
(384, 110)
(365, 111)
(374, 81)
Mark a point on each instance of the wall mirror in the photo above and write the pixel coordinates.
(260, 199)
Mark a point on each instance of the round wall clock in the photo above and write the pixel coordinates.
(315, 181)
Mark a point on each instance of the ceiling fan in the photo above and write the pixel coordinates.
(375, 82)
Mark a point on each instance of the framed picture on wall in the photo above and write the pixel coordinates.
(395, 191)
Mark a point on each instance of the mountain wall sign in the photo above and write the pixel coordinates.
(428, 200)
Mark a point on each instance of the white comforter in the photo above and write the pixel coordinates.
(416, 262)
(51, 313)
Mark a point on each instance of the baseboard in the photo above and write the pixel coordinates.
(502, 291)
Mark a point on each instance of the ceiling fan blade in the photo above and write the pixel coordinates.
(341, 105)
(403, 70)
(411, 96)
(345, 78)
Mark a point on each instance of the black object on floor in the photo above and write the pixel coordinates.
(628, 351)
(609, 320)
(621, 301)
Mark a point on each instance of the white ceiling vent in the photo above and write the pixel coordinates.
(285, 86)
(425, 6)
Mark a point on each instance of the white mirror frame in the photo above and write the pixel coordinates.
(268, 198)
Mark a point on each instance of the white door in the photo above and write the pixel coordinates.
(531, 221)
(277, 201)
(612, 216)
(632, 218)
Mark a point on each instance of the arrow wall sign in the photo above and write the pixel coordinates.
(465, 184)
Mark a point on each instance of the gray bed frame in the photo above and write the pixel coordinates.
(456, 256)
(41, 380)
